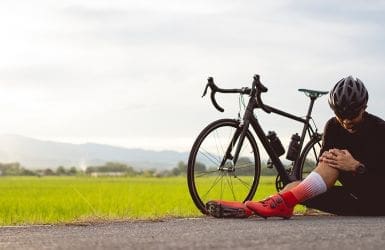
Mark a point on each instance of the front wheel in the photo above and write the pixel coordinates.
(211, 172)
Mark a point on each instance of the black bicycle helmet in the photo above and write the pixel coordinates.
(348, 97)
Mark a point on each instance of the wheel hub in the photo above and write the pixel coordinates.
(228, 167)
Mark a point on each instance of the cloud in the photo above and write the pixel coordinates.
(142, 65)
(357, 11)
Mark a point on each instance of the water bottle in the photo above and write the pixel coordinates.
(292, 151)
(275, 143)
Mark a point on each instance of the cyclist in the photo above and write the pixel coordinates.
(353, 152)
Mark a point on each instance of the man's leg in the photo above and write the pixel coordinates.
(282, 205)
(337, 200)
(322, 178)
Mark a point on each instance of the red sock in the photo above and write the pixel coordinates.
(289, 199)
(310, 187)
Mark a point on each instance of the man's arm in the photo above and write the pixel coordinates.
(340, 159)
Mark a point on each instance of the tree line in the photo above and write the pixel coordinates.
(111, 168)
(15, 169)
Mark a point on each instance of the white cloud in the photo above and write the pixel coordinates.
(127, 70)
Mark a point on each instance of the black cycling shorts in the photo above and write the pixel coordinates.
(340, 201)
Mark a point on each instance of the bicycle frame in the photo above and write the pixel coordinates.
(255, 102)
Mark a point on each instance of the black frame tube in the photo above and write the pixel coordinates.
(250, 119)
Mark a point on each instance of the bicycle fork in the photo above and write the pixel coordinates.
(238, 139)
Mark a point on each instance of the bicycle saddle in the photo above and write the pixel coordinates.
(313, 93)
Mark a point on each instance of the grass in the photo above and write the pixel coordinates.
(53, 200)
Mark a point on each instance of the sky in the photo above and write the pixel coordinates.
(131, 73)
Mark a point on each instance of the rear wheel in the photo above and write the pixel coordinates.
(213, 176)
(309, 157)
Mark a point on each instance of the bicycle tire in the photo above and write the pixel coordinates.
(309, 157)
(212, 183)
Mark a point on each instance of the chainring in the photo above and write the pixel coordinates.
(279, 182)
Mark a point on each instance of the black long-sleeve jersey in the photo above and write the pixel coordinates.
(366, 145)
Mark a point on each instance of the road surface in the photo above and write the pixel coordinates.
(300, 232)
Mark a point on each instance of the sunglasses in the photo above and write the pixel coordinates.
(348, 115)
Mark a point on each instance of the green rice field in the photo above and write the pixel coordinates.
(56, 200)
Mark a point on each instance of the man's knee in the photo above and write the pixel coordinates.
(328, 174)
(325, 168)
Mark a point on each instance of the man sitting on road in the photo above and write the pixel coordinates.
(353, 152)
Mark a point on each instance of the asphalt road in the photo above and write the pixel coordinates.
(300, 232)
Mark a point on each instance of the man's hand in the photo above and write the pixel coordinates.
(339, 159)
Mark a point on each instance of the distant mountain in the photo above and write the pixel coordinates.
(34, 154)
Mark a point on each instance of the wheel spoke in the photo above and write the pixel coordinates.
(247, 185)
(221, 150)
(244, 165)
(209, 156)
(230, 183)
(219, 177)
(201, 174)
(221, 195)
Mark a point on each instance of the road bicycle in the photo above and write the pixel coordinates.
(224, 162)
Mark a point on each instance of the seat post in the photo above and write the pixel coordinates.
(312, 100)
(313, 95)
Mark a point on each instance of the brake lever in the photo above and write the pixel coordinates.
(210, 83)
(205, 91)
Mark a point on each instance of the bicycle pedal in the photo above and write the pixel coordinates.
(213, 209)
